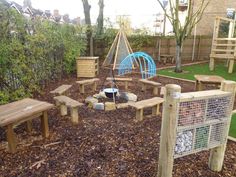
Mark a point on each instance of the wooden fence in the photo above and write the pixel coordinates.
(202, 48)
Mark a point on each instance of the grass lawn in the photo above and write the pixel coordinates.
(232, 131)
(190, 71)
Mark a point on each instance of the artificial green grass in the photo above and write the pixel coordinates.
(232, 130)
(190, 71)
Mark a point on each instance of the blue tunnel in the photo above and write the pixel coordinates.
(144, 61)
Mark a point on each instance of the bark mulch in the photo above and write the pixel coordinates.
(104, 144)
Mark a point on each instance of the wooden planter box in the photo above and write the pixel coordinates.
(87, 66)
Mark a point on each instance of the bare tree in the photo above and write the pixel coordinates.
(181, 31)
(87, 8)
(100, 17)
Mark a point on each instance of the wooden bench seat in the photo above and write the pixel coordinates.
(61, 90)
(82, 84)
(65, 102)
(121, 79)
(153, 84)
(140, 105)
(21, 111)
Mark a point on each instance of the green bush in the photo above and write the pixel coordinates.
(34, 52)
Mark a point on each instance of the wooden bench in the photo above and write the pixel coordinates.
(203, 80)
(18, 112)
(121, 79)
(140, 105)
(154, 85)
(167, 58)
(61, 90)
(88, 82)
(64, 102)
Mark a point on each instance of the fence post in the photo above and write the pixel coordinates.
(168, 130)
(217, 154)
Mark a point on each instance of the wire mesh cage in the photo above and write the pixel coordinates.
(202, 123)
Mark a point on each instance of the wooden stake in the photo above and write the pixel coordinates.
(212, 64)
(231, 66)
(168, 130)
(217, 154)
(11, 139)
(44, 124)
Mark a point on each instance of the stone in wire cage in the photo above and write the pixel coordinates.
(202, 124)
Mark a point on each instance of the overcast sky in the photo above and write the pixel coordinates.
(142, 11)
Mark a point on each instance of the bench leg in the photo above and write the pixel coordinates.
(155, 110)
(29, 126)
(155, 90)
(143, 87)
(11, 139)
(126, 85)
(74, 115)
(44, 124)
(81, 88)
(94, 86)
(63, 110)
(139, 114)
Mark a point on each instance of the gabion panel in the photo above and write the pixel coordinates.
(218, 108)
(184, 142)
(191, 112)
(201, 137)
(218, 134)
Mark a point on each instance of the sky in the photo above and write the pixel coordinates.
(141, 12)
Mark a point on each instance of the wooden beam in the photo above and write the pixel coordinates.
(44, 124)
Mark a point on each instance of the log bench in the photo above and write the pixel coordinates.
(23, 111)
(82, 84)
(65, 102)
(140, 105)
(121, 79)
(154, 85)
(61, 90)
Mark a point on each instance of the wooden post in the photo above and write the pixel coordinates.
(74, 115)
(63, 109)
(168, 130)
(217, 154)
(11, 139)
(126, 85)
(139, 114)
(44, 124)
(155, 90)
(212, 64)
(231, 66)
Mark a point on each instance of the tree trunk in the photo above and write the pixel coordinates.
(100, 17)
(87, 8)
(178, 58)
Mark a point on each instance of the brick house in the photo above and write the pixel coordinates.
(214, 8)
